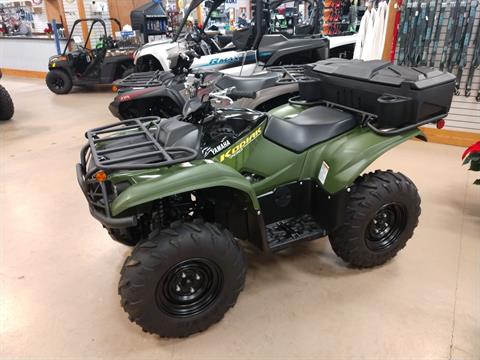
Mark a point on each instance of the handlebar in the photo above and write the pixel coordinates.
(237, 94)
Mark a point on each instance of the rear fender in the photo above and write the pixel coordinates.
(347, 156)
(179, 179)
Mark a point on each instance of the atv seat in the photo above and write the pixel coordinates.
(309, 128)
(251, 83)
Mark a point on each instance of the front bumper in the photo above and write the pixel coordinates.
(114, 108)
(97, 199)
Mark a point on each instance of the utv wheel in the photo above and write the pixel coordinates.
(183, 279)
(59, 82)
(381, 216)
(6, 104)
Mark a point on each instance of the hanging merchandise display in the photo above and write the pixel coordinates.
(339, 17)
(378, 33)
(420, 40)
(373, 28)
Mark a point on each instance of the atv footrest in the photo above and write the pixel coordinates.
(282, 233)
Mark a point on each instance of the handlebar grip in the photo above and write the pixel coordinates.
(237, 94)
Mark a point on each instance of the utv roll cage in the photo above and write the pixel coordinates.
(94, 21)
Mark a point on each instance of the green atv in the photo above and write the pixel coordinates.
(183, 191)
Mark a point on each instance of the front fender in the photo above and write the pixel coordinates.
(157, 50)
(347, 156)
(180, 179)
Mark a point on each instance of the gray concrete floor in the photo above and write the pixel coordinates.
(59, 269)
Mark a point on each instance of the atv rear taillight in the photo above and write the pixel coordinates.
(114, 88)
(440, 124)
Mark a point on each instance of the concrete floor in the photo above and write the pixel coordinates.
(59, 269)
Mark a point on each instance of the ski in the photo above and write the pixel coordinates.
(405, 24)
(411, 33)
(419, 35)
(457, 37)
(474, 64)
(429, 32)
(450, 33)
(436, 38)
(462, 54)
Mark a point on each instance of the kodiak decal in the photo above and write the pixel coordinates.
(237, 149)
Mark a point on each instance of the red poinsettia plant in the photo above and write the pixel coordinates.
(472, 156)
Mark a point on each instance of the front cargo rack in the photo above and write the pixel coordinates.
(134, 146)
(144, 79)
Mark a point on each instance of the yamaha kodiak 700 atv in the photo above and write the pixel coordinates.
(185, 191)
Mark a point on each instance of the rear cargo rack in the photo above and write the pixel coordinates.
(291, 73)
(143, 79)
(107, 155)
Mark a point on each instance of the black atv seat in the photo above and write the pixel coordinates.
(252, 83)
(309, 128)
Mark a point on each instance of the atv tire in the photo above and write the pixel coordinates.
(59, 82)
(6, 105)
(381, 215)
(183, 279)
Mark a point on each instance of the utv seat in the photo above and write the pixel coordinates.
(309, 128)
(252, 83)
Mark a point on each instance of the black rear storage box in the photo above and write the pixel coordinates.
(399, 96)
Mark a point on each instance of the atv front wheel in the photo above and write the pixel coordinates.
(59, 82)
(6, 104)
(183, 279)
(381, 216)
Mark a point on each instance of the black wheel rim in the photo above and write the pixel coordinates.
(58, 83)
(385, 228)
(189, 287)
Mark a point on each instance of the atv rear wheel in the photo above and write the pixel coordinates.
(182, 279)
(6, 104)
(381, 216)
(59, 82)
